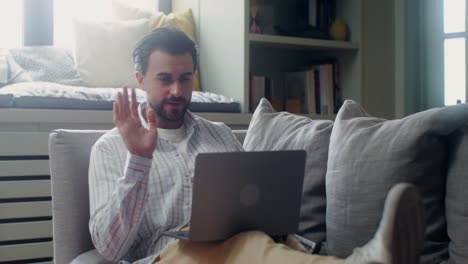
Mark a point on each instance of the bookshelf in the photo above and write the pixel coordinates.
(229, 53)
(273, 56)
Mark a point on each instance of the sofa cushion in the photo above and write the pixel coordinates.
(368, 155)
(456, 198)
(270, 130)
(103, 51)
(45, 95)
(90, 257)
(69, 152)
(182, 20)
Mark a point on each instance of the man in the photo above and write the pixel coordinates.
(141, 175)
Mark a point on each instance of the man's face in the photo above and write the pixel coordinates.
(168, 83)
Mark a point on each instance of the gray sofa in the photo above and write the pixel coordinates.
(351, 164)
(69, 159)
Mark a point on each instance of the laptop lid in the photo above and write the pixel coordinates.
(241, 191)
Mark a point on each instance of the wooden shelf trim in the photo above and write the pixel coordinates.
(302, 42)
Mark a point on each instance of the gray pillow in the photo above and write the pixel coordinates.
(456, 199)
(48, 64)
(270, 130)
(368, 155)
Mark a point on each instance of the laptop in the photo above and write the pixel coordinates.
(241, 191)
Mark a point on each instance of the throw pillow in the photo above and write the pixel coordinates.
(10, 71)
(271, 130)
(369, 155)
(182, 20)
(103, 51)
(48, 64)
(456, 198)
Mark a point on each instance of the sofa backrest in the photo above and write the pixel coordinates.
(69, 159)
(240, 134)
(69, 152)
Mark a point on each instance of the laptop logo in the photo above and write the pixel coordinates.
(249, 195)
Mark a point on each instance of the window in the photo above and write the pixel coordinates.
(11, 24)
(455, 51)
(65, 11)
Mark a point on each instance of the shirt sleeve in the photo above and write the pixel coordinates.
(117, 200)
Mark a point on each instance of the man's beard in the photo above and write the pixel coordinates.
(175, 114)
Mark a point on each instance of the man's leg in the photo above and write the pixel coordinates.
(248, 247)
(401, 232)
(398, 240)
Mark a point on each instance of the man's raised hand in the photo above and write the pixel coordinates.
(139, 140)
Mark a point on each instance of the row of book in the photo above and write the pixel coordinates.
(260, 87)
(313, 89)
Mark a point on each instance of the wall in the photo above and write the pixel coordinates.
(378, 48)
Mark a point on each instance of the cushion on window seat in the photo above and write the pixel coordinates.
(45, 95)
(47, 64)
(6, 100)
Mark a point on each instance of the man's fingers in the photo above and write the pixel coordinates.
(151, 117)
(116, 114)
(125, 104)
(120, 101)
(134, 104)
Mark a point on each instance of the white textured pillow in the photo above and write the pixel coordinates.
(103, 51)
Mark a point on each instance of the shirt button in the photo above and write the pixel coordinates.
(177, 154)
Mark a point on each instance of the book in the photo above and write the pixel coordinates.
(337, 89)
(310, 91)
(331, 89)
(257, 91)
(324, 92)
(295, 83)
(312, 12)
(317, 87)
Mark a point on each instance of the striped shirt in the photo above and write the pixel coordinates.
(134, 199)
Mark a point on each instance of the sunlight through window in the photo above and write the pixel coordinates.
(454, 51)
(454, 16)
(66, 11)
(455, 81)
(11, 24)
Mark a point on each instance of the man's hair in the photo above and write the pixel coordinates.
(166, 39)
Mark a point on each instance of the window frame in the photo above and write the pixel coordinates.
(455, 35)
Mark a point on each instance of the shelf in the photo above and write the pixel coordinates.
(307, 43)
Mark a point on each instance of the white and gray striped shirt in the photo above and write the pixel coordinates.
(133, 199)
